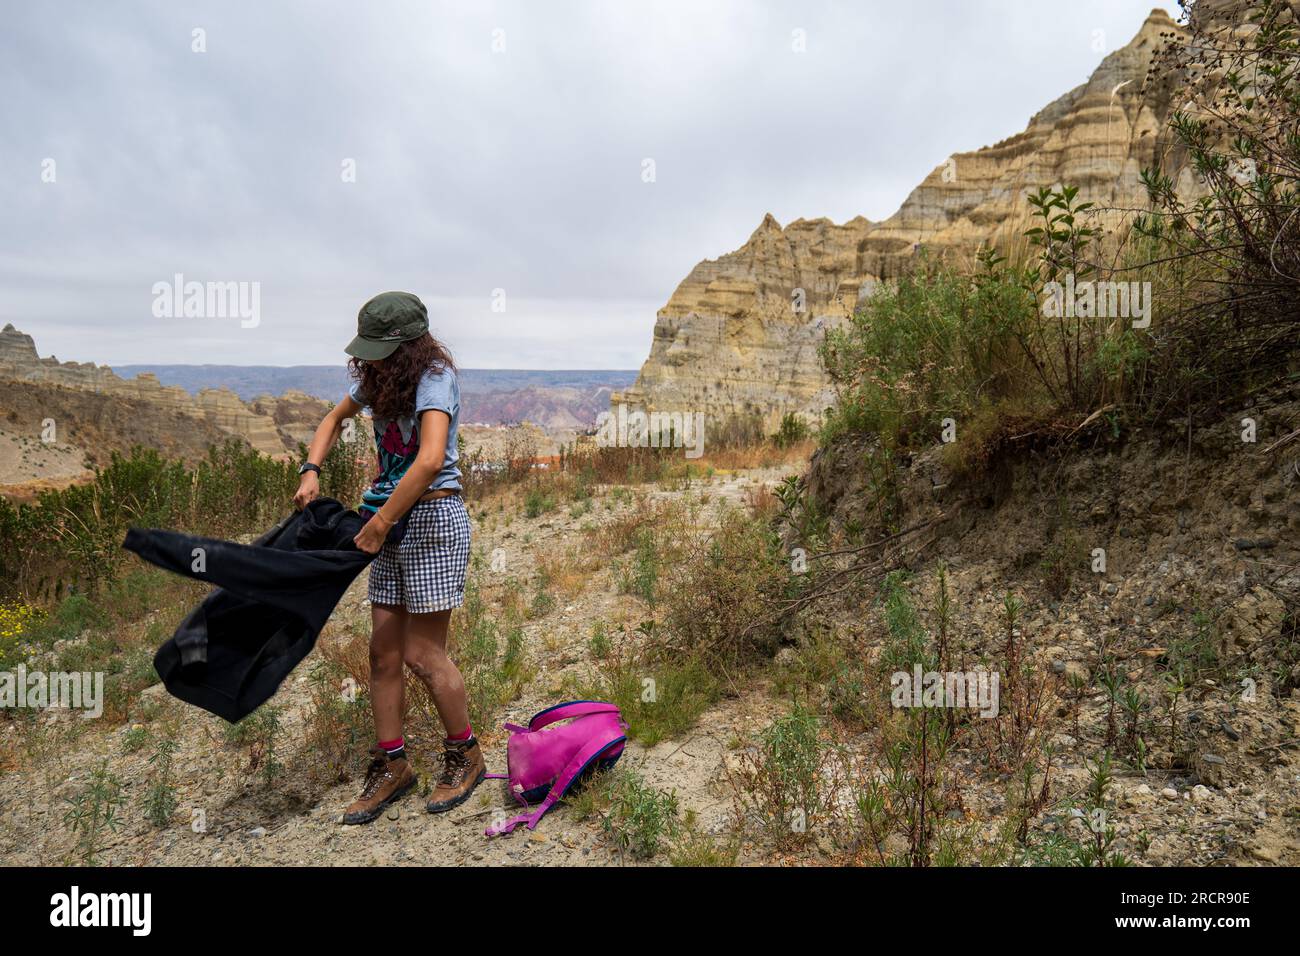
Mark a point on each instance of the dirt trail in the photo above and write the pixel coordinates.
(248, 821)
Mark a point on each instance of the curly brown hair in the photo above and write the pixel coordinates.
(389, 386)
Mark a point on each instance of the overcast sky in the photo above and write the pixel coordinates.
(496, 146)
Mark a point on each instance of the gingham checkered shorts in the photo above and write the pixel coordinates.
(425, 571)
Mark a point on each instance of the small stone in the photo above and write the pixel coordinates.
(1137, 795)
(895, 845)
(1200, 793)
(1169, 793)
(257, 832)
(1249, 544)
(1077, 670)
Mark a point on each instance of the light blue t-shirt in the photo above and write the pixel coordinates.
(398, 439)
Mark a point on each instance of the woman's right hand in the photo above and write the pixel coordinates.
(308, 489)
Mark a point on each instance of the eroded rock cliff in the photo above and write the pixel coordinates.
(273, 430)
(739, 336)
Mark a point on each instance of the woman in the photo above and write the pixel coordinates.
(408, 380)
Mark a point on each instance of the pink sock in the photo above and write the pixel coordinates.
(393, 745)
(465, 734)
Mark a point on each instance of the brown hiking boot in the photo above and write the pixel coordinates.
(387, 781)
(463, 768)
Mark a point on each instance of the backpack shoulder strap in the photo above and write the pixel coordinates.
(586, 754)
(574, 708)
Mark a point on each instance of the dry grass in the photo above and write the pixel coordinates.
(619, 535)
(593, 472)
(566, 569)
(758, 456)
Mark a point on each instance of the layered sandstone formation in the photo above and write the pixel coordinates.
(273, 430)
(739, 337)
(295, 415)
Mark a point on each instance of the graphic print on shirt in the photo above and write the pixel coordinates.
(397, 441)
(398, 444)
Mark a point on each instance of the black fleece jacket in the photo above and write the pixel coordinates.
(272, 599)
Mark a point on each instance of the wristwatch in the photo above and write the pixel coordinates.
(308, 466)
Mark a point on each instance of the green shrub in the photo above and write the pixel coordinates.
(492, 663)
(92, 813)
(640, 817)
(160, 800)
(70, 540)
(1233, 248)
(722, 595)
(935, 344)
(539, 501)
(260, 733)
(779, 783)
(659, 699)
(792, 430)
(640, 576)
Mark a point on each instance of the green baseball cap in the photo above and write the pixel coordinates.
(385, 322)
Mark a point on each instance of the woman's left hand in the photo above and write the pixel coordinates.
(372, 534)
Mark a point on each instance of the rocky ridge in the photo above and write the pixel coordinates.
(273, 426)
(739, 336)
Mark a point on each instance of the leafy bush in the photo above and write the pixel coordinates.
(1221, 259)
(721, 597)
(779, 783)
(1237, 326)
(660, 699)
(93, 812)
(492, 663)
(935, 344)
(71, 538)
(792, 430)
(160, 799)
(640, 817)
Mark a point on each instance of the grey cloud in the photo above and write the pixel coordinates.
(476, 170)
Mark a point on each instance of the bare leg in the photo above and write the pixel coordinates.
(426, 656)
(388, 628)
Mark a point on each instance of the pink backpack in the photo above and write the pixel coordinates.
(545, 759)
